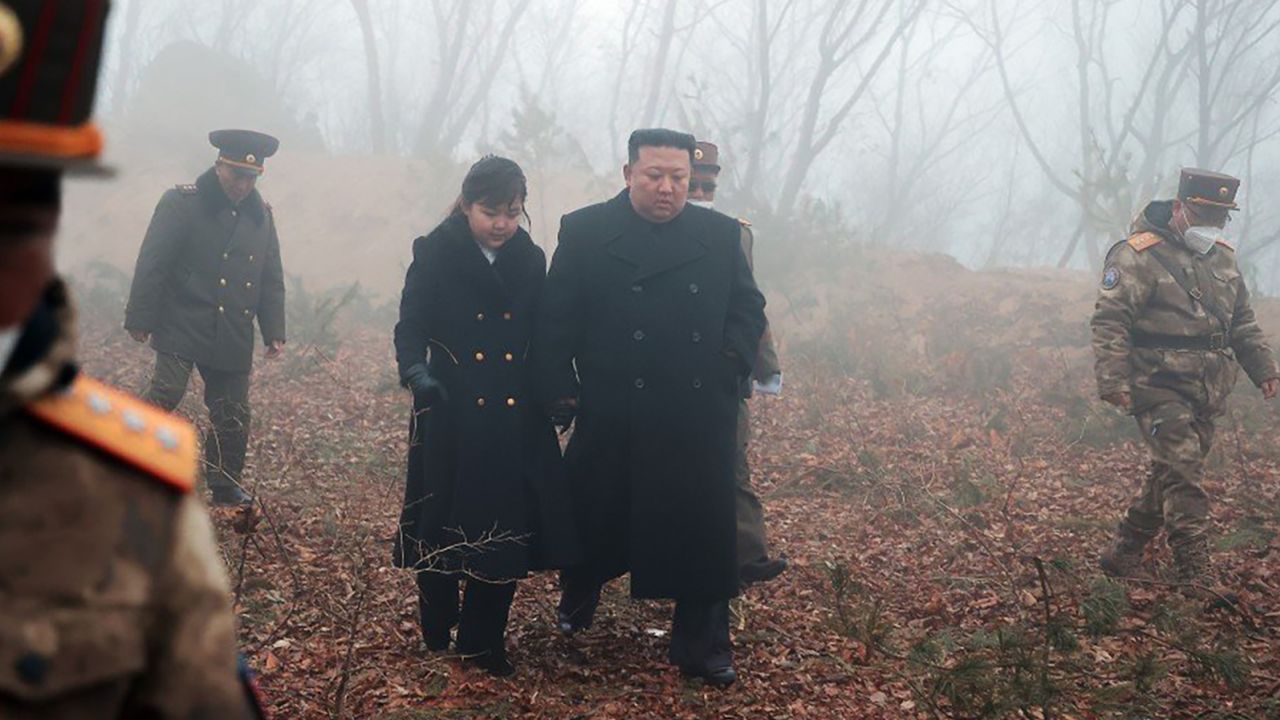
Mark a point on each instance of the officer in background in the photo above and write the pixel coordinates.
(209, 265)
(1172, 321)
(754, 562)
(113, 599)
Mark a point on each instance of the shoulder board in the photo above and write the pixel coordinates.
(745, 222)
(1226, 244)
(1144, 240)
(126, 428)
(186, 189)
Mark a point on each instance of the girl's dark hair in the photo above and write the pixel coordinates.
(493, 181)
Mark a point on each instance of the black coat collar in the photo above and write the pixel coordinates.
(651, 248)
(215, 199)
(465, 255)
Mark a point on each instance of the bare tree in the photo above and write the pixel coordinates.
(377, 122)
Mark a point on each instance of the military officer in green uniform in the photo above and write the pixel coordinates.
(754, 563)
(1172, 321)
(208, 268)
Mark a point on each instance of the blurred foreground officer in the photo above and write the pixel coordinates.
(209, 265)
(113, 599)
(754, 563)
(1172, 320)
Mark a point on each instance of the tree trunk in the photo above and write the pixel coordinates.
(377, 123)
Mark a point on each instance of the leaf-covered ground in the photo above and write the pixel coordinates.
(943, 545)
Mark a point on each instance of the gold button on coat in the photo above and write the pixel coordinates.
(479, 357)
(511, 402)
(222, 282)
(510, 357)
(221, 309)
(480, 402)
(506, 316)
(479, 317)
(249, 284)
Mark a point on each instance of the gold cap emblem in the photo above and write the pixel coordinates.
(10, 38)
(1224, 191)
(697, 153)
(251, 158)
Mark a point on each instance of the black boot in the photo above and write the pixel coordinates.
(230, 496)
(1124, 558)
(762, 570)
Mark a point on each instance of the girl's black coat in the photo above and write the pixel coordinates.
(485, 493)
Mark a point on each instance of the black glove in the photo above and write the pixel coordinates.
(562, 413)
(427, 391)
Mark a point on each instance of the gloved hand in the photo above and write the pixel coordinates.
(427, 391)
(562, 412)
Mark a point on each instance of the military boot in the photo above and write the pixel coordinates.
(1124, 557)
(1191, 567)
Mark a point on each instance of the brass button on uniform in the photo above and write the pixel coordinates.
(693, 288)
(639, 383)
(250, 258)
(697, 383)
(696, 336)
(638, 335)
(479, 402)
(226, 255)
(222, 282)
(479, 357)
(221, 309)
(479, 317)
(249, 284)
(247, 313)
(511, 402)
(510, 357)
(506, 316)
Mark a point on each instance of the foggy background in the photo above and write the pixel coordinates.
(1001, 132)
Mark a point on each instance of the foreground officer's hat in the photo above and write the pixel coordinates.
(244, 150)
(49, 55)
(706, 157)
(1204, 187)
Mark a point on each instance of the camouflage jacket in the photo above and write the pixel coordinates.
(113, 599)
(1139, 296)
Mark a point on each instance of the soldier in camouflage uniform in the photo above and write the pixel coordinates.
(113, 599)
(1172, 320)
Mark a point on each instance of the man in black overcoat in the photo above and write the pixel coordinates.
(649, 323)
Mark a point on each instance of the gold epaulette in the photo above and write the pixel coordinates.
(745, 222)
(126, 428)
(187, 189)
(1142, 241)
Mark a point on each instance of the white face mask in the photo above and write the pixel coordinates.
(8, 339)
(1202, 238)
(708, 204)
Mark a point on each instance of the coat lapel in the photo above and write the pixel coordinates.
(470, 260)
(679, 243)
(635, 243)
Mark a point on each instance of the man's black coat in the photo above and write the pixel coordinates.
(661, 322)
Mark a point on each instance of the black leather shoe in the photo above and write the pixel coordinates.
(715, 677)
(230, 496)
(567, 625)
(763, 571)
(496, 664)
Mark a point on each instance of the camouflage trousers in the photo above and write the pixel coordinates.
(1171, 496)
(226, 395)
(753, 546)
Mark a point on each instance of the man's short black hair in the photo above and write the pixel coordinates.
(659, 137)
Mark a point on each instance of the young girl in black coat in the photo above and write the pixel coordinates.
(485, 496)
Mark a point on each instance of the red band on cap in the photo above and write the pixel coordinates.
(87, 27)
(48, 12)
